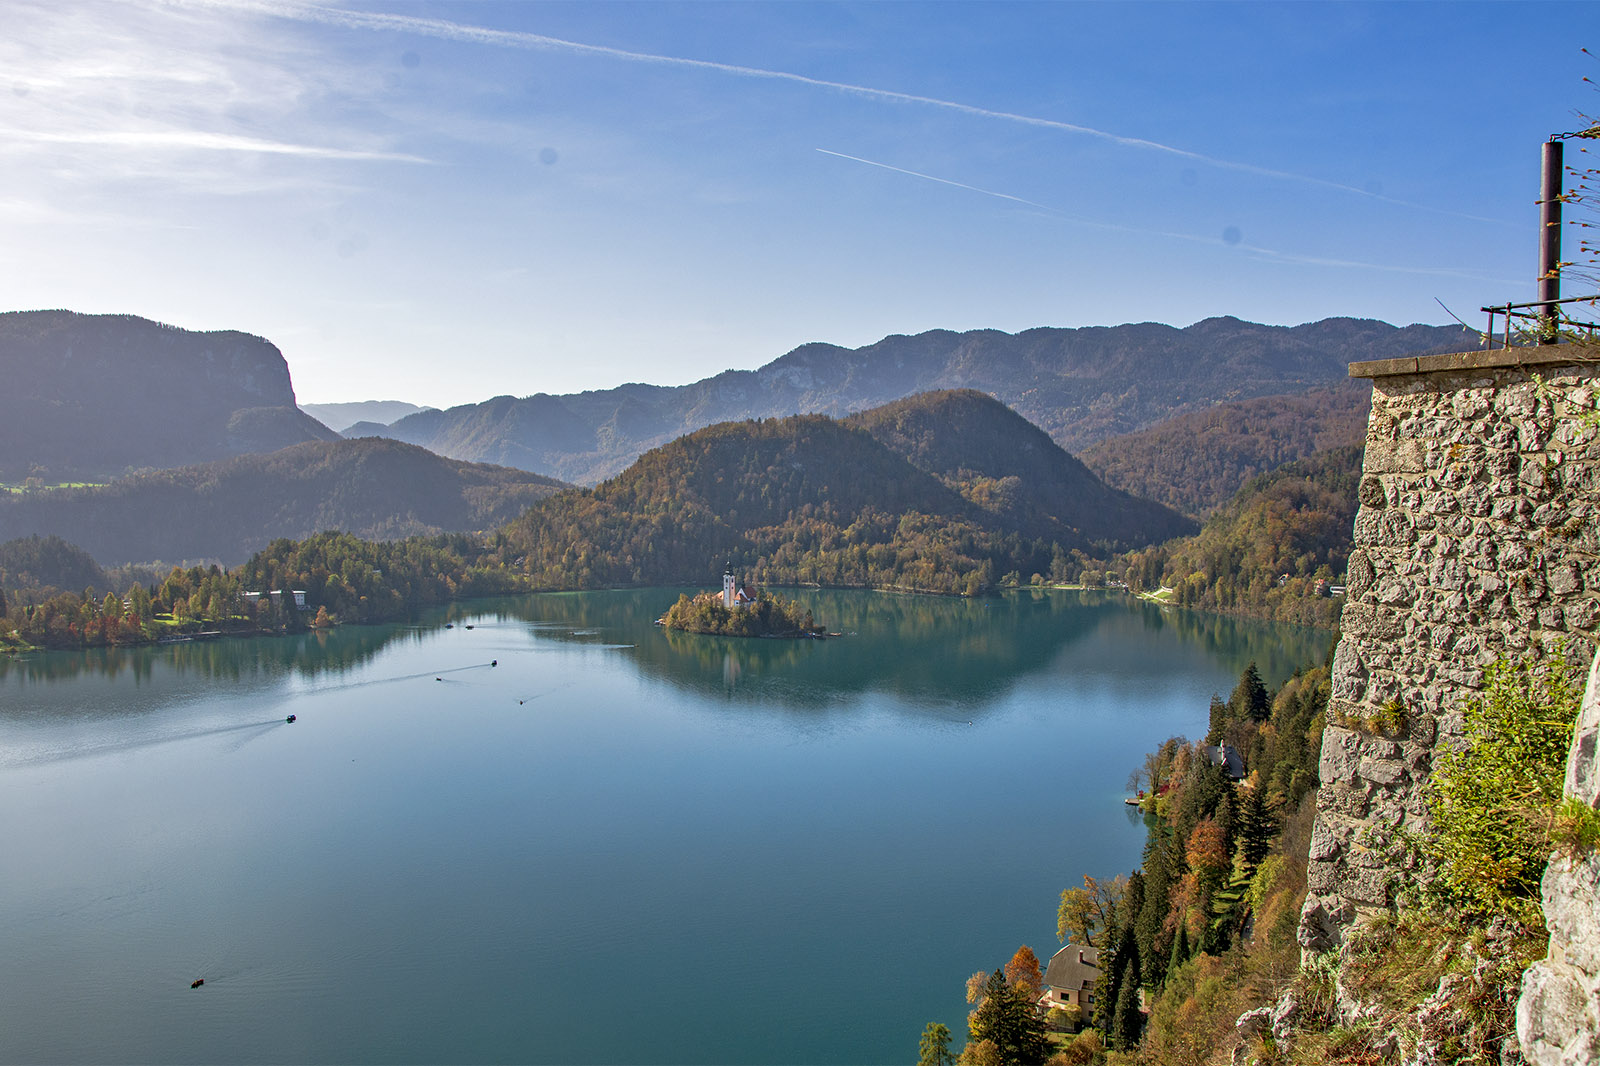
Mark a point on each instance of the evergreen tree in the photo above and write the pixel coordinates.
(1180, 947)
(1219, 720)
(1007, 1018)
(1227, 818)
(1249, 699)
(1127, 1021)
(1255, 828)
(1159, 874)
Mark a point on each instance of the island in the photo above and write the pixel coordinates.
(740, 611)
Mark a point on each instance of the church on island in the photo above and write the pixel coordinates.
(735, 595)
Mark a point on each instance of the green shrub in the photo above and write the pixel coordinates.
(1493, 802)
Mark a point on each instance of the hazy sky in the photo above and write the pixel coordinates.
(442, 202)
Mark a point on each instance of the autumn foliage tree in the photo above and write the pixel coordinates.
(1023, 973)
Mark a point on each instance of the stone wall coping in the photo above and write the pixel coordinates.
(1534, 355)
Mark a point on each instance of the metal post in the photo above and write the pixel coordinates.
(1551, 180)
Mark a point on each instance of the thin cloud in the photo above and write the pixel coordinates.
(195, 139)
(456, 31)
(1194, 238)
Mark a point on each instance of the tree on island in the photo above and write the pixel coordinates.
(767, 616)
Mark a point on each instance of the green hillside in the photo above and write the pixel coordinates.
(1004, 464)
(812, 499)
(1272, 551)
(378, 489)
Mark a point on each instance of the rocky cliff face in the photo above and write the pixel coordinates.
(97, 395)
(1558, 1016)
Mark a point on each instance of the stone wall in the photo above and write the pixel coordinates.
(1477, 536)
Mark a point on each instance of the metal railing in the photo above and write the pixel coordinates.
(1547, 322)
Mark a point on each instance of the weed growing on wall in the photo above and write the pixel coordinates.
(1493, 802)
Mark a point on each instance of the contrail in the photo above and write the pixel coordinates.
(456, 31)
(1195, 238)
(941, 181)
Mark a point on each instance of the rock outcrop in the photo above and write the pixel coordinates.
(1558, 1016)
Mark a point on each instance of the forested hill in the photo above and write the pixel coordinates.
(1195, 462)
(1272, 551)
(94, 396)
(806, 499)
(1079, 385)
(48, 562)
(1003, 463)
(377, 489)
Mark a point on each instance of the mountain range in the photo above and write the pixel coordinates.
(1080, 385)
(341, 416)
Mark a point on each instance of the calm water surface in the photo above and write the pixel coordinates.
(620, 845)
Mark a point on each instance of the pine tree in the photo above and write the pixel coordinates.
(1180, 947)
(1007, 1018)
(1158, 867)
(1255, 829)
(1219, 721)
(1126, 1021)
(1249, 699)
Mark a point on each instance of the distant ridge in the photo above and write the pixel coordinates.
(94, 396)
(1079, 385)
(341, 416)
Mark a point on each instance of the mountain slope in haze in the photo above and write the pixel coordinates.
(48, 562)
(341, 416)
(1195, 462)
(1000, 461)
(376, 489)
(1079, 385)
(812, 499)
(90, 396)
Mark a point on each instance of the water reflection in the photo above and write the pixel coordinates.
(930, 650)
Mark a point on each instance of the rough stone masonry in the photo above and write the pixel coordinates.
(1477, 536)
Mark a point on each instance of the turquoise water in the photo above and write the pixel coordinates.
(620, 845)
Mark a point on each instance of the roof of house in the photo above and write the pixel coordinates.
(1227, 755)
(1073, 967)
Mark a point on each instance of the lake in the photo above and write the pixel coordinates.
(618, 845)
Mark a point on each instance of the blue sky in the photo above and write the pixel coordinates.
(442, 202)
